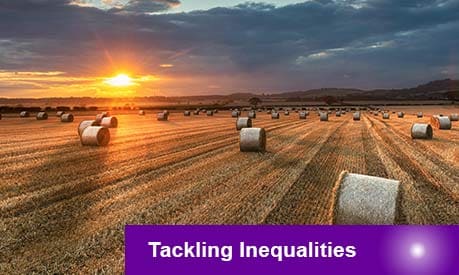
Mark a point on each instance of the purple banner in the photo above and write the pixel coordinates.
(157, 249)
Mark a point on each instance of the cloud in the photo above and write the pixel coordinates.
(374, 43)
(131, 6)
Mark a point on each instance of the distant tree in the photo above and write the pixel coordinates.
(329, 100)
(254, 101)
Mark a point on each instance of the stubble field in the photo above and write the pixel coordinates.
(63, 206)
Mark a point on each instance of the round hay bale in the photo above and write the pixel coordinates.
(386, 116)
(24, 114)
(356, 116)
(100, 116)
(141, 112)
(95, 136)
(420, 114)
(268, 112)
(42, 116)
(109, 122)
(302, 115)
(162, 116)
(243, 122)
(286, 113)
(441, 122)
(323, 116)
(210, 113)
(60, 113)
(275, 115)
(234, 113)
(85, 124)
(196, 113)
(67, 118)
(215, 111)
(361, 199)
(400, 114)
(421, 131)
(252, 114)
(338, 114)
(454, 117)
(166, 112)
(252, 140)
(187, 113)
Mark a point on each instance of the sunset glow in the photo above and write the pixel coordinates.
(121, 80)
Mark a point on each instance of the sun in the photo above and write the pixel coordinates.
(121, 80)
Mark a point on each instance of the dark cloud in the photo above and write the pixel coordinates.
(373, 43)
(148, 6)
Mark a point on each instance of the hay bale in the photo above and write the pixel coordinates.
(356, 116)
(323, 116)
(386, 116)
(275, 115)
(400, 114)
(268, 112)
(234, 113)
(162, 116)
(454, 117)
(166, 112)
(109, 122)
(187, 113)
(85, 124)
(252, 114)
(215, 111)
(67, 118)
(441, 122)
(60, 113)
(196, 113)
(421, 131)
(302, 115)
(24, 114)
(252, 140)
(420, 114)
(338, 114)
(210, 113)
(95, 136)
(141, 112)
(243, 122)
(286, 113)
(361, 199)
(42, 116)
(100, 116)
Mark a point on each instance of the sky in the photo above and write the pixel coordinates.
(63, 48)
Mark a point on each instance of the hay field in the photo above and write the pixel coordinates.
(63, 206)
